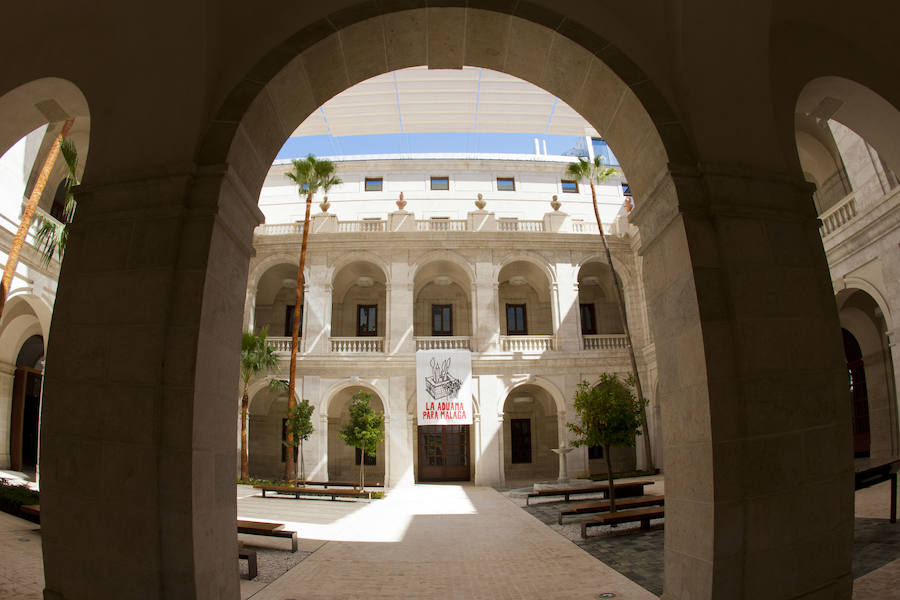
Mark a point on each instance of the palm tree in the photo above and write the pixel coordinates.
(596, 172)
(51, 236)
(257, 356)
(310, 175)
(15, 249)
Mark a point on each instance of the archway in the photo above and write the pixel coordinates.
(358, 308)
(344, 460)
(530, 429)
(529, 317)
(276, 294)
(442, 306)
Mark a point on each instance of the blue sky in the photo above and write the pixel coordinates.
(413, 143)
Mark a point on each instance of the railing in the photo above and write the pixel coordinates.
(838, 216)
(519, 225)
(443, 342)
(279, 228)
(833, 190)
(356, 345)
(527, 343)
(604, 342)
(440, 225)
(362, 226)
(280, 344)
(584, 227)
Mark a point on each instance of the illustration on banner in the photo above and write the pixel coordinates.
(441, 384)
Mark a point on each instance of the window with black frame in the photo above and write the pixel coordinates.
(289, 321)
(366, 320)
(516, 322)
(588, 319)
(441, 319)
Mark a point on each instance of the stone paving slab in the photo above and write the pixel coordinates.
(22, 575)
(448, 541)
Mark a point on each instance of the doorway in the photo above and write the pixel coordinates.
(444, 453)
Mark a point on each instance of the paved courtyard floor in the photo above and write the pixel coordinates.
(453, 541)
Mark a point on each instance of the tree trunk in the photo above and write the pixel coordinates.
(609, 478)
(290, 471)
(620, 304)
(12, 259)
(245, 404)
(362, 471)
(302, 469)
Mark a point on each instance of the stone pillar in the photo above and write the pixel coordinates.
(487, 337)
(481, 220)
(317, 308)
(250, 310)
(489, 469)
(321, 472)
(323, 223)
(557, 222)
(401, 220)
(400, 338)
(752, 385)
(7, 375)
(141, 418)
(569, 334)
(399, 455)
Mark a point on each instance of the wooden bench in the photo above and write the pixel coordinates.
(33, 510)
(624, 516)
(252, 565)
(269, 529)
(326, 484)
(624, 503)
(297, 491)
(623, 490)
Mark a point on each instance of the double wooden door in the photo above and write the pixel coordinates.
(444, 453)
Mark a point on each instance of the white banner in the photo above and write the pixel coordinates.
(443, 387)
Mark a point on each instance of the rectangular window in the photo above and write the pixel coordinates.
(284, 448)
(440, 183)
(626, 189)
(595, 452)
(289, 321)
(506, 184)
(370, 460)
(366, 320)
(374, 184)
(516, 323)
(441, 319)
(520, 430)
(569, 186)
(588, 319)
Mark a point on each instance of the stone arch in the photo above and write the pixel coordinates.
(260, 268)
(23, 303)
(340, 459)
(359, 256)
(375, 387)
(854, 283)
(446, 255)
(548, 386)
(530, 257)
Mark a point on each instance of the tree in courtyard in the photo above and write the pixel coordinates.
(15, 249)
(610, 415)
(257, 356)
(596, 172)
(365, 430)
(52, 235)
(299, 425)
(311, 176)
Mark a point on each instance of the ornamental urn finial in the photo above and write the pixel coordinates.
(324, 204)
(480, 203)
(401, 202)
(555, 203)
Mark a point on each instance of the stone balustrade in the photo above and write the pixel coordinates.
(356, 345)
(520, 225)
(365, 226)
(527, 343)
(443, 342)
(460, 225)
(279, 228)
(604, 342)
(282, 345)
(839, 215)
(441, 225)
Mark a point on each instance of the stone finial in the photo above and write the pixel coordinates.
(324, 204)
(401, 202)
(480, 203)
(629, 204)
(555, 203)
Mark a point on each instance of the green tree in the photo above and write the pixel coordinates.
(610, 415)
(257, 356)
(52, 235)
(300, 427)
(596, 172)
(311, 176)
(365, 430)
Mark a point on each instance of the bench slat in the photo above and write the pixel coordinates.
(644, 515)
(624, 503)
(624, 489)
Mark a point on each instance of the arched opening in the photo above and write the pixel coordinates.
(527, 316)
(344, 460)
(275, 297)
(530, 430)
(25, 413)
(266, 434)
(358, 308)
(598, 310)
(870, 365)
(442, 310)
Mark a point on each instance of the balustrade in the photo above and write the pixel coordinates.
(520, 225)
(604, 342)
(443, 342)
(279, 228)
(838, 216)
(282, 345)
(440, 225)
(356, 345)
(366, 226)
(527, 343)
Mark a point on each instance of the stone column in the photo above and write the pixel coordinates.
(569, 333)
(250, 310)
(399, 455)
(752, 385)
(7, 375)
(141, 418)
(489, 469)
(317, 308)
(487, 336)
(400, 307)
(321, 472)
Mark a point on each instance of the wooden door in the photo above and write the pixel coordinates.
(444, 453)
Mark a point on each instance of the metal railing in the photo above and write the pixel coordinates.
(443, 342)
(604, 342)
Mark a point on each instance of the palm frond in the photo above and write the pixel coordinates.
(70, 157)
(50, 238)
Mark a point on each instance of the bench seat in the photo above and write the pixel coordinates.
(624, 516)
(268, 529)
(326, 484)
(299, 490)
(252, 564)
(624, 503)
(623, 490)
